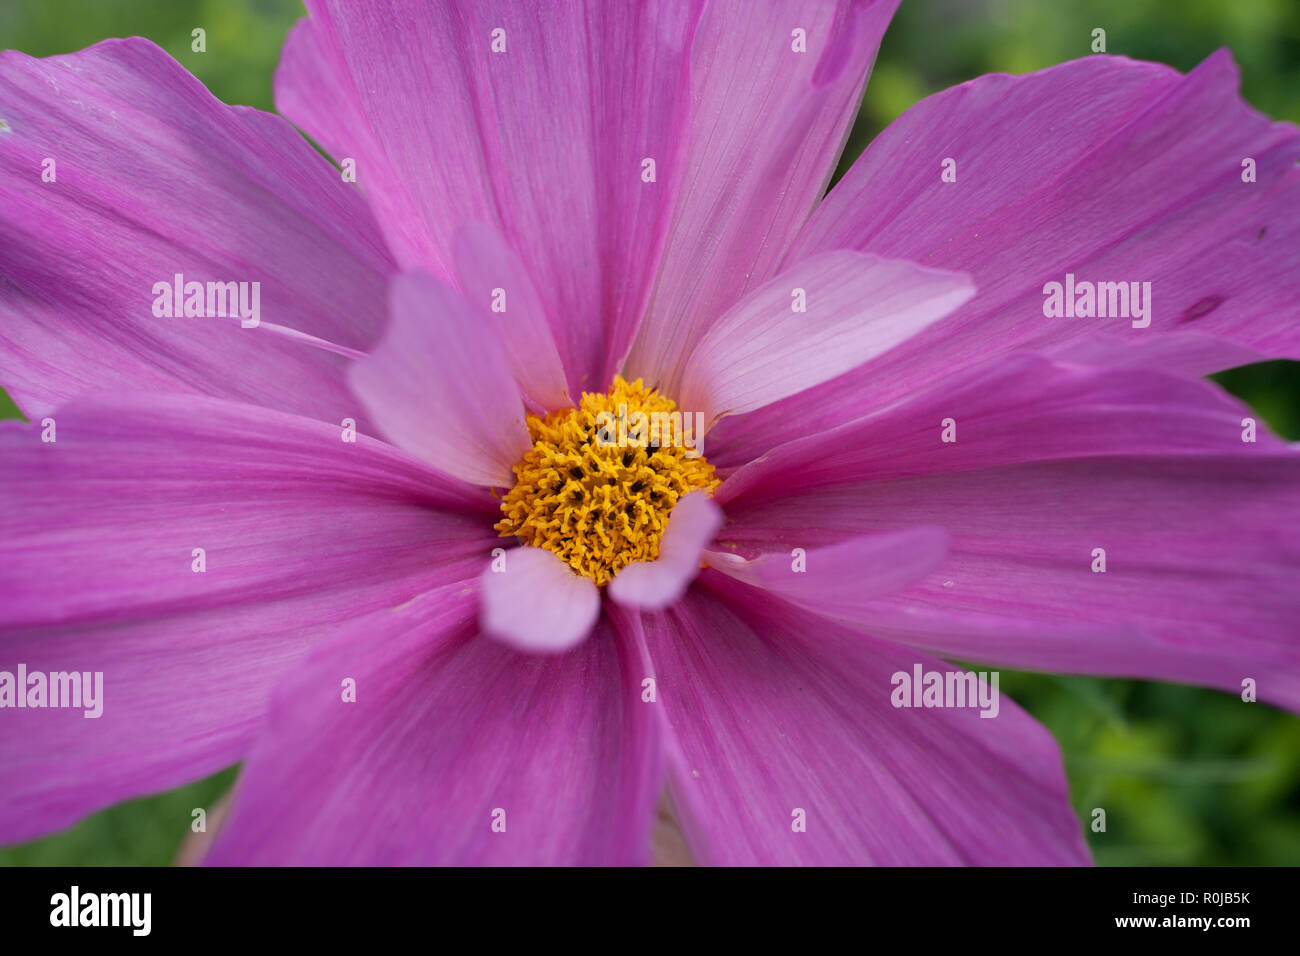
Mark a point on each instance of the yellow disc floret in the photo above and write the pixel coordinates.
(601, 479)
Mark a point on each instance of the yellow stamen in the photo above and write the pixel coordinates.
(599, 504)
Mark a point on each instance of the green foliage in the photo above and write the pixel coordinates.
(144, 832)
(935, 44)
(1185, 775)
(243, 36)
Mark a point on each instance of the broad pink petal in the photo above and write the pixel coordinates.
(840, 580)
(770, 716)
(536, 603)
(1018, 408)
(1052, 462)
(154, 177)
(826, 315)
(448, 732)
(654, 585)
(493, 278)
(1106, 168)
(767, 126)
(439, 385)
(301, 532)
(544, 141)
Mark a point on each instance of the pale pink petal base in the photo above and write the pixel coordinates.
(493, 278)
(440, 386)
(828, 314)
(840, 580)
(533, 601)
(653, 585)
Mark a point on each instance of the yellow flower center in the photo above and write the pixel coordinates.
(601, 479)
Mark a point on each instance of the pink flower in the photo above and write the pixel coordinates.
(919, 464)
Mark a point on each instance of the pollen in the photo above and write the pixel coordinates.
(601, 480)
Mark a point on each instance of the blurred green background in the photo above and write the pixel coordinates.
(1186, 776)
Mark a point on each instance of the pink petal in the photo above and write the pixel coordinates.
(855, 308)
(448, 732)
(654, 585)
(1052, 462)
(536, 602)
(543, 141)
(439, 385)
(840, 580)
(301, 532)
(155, 177)
(484, 265)
(1103, 167)
(769, 717)
(767, 127)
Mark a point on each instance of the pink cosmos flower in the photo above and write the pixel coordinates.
(918, 464)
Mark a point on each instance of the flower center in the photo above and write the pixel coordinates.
(601, 479)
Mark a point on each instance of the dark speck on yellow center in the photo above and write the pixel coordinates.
(601, 506)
